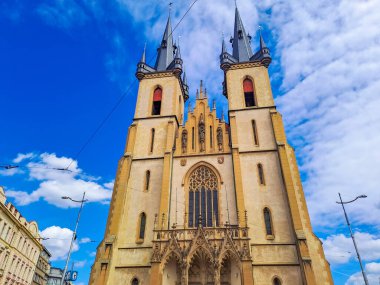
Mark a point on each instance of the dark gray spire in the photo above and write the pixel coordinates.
(263, 54)
(143, 57)
(165, 53)
(241, 45)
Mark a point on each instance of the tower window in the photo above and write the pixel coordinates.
(276, 281)
(135, 281)
(249, 95)
(268, 222)
(157, 97)
(142, 226)
(254, 130)
(152, 140)
(261, 174)
(147, 180)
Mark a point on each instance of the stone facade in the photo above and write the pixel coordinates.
(42, 271)
(207, 201)
(20, 245)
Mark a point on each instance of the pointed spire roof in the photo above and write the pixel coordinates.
(223, 46)
(165, 53)
(241, 45)
(262, 42)
(143, 56)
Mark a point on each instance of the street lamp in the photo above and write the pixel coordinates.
(352, 235)
(74, 233)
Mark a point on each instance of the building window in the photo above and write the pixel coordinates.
(152, 140)
(135, 281)
(147, 180)
(276, 281)
(192, 139)
(211, 142)
(142, 226)
(261, 174)
(249, 95)
(268, 222)
(157, 98)
(203, 198)
(254, 130)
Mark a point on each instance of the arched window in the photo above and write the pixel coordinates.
(254, 130)
(142, 226)
(147, 180)
(157, 98)
(211, 134)
(203, 197)
(268, 222)
(276, 281)
(135, 281)
(249, 95)
(192, 138)
(261, 174)
(152, 132)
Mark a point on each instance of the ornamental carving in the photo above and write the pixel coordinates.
(203, 177)
(220, 159)
(202, 133)
(219, 137)
(183, 161)
(184, 141)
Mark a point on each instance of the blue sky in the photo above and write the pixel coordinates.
(65, 63)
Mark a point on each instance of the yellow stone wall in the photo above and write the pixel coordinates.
(293, 253)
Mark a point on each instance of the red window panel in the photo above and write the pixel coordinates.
(248, 86)
(157, 95)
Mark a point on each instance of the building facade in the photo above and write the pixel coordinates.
(55, 277)
(208, 201)
(42, 271)
(20, 245)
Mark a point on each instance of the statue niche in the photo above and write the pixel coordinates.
(201, 132)
(219, 137)
(184, 141)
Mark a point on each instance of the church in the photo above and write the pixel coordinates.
(208, 201)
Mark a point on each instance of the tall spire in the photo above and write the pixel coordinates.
(166, 50)
(241, 43)
(143, 57)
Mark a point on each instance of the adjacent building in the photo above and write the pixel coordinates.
(208, 201)
(20, 245)
(55, 277)
(42, 271)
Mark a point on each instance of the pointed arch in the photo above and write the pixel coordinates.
(135, 281)
(141, 228)
(276, 281)
(249, 93)
(268, 222)
(157, 98)
(260, 171)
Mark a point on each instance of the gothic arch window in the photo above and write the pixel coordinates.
(147, 180)
(203, 197)
(255, 135)
(268, 222)
(141, 230)
(276, 281)
(157, 98)
(184, 141)
(152, 133)
(260, 171)
(249, 94)
(135, 281)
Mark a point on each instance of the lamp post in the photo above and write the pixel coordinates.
(352, 235)
(74, 233)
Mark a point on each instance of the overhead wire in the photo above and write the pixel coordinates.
(125, 93)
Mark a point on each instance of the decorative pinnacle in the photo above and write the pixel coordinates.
(214, 104)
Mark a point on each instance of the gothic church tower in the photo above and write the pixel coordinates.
(207, 201)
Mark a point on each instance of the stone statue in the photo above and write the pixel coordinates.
(202, 134)
(219, 137)
(184, 141)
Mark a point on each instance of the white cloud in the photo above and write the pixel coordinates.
(22, 156)
(339, 249)
(85, 240)
(62, 13)
(373, 274)
(80, 264)
(55, 184)
(58, 242)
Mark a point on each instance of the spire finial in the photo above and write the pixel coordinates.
(197, 96)
(143, 55)
(170, 8)
(214, 104)
(235, 3)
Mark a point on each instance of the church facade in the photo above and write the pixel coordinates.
(208, 201)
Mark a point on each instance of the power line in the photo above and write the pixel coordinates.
(93, 135)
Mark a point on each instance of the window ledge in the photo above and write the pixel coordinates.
(270, 237)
